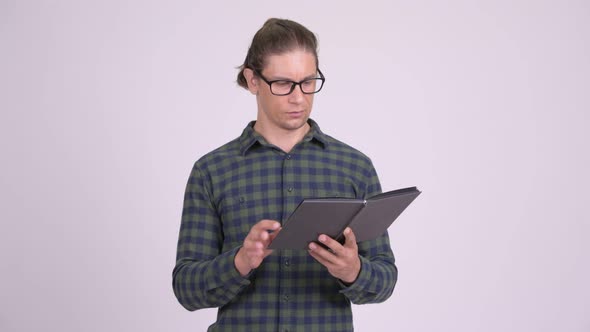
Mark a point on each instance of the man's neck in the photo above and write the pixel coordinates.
(284, 139)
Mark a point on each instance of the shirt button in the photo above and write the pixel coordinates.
(287, 263)
(288, 157)
(290, 189)
(286, 298)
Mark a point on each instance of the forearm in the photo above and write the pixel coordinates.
(207, 284)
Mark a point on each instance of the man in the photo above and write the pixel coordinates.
(239, 194)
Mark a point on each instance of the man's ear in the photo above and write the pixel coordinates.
(252, 80)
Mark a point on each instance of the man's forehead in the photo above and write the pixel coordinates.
(291, 63)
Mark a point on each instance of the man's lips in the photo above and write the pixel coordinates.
(295, 113)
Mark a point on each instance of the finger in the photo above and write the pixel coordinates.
(267, 252)
(329, 242)
(274, 234)
(267, 236)
(261, 229)
(257, 247)
(350, 241)
(271, 237)
(266, 225)
(263, 235)
(313, 253)
(253, 245)
(321, 254)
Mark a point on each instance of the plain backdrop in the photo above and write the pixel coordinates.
(105, 106)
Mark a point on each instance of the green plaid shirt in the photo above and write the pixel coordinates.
(246, 180)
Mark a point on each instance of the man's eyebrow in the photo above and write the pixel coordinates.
(283, 78)
(315, 75)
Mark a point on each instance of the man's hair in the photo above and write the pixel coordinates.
(277, 36)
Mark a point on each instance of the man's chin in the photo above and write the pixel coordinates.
(295, 124)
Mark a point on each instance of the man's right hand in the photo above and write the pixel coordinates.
(253, 251)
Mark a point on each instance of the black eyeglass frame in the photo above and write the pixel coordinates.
(322, 78)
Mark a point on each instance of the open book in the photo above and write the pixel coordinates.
(368, 218)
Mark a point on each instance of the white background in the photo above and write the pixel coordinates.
(483, 105)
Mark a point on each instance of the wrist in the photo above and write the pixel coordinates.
(353, 276)
(350, 281)
(241, 264)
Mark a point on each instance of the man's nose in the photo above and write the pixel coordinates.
(297, 95)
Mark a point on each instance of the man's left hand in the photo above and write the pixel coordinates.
(342, 261)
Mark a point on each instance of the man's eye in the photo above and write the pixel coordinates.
(309, 83)
(282, 84)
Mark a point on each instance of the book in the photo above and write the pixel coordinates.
(368, 218)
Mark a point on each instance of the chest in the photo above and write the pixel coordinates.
(270, 186)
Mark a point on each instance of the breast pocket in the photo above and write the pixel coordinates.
(240, 212)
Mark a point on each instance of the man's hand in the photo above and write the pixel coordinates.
(342, 261)
(253, 251)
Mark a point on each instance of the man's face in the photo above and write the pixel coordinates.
(288, 112)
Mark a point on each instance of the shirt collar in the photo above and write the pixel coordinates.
(250, 138)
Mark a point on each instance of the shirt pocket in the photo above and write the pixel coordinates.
(234, 220)
(239, 212)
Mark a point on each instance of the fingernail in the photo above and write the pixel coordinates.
(312, 246)
(347, 231)
(322, 238)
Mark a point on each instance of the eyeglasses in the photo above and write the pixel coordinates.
(284, 87)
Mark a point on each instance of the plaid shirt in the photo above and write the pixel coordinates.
(246, 180)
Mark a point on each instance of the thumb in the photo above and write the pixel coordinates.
(350, 238)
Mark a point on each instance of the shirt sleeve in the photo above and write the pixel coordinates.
(204, 277)
(378, 275)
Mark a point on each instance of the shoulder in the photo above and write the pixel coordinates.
(344, 150)
(338, 148)
(219, 157)
(355, 165)
(348, 159)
